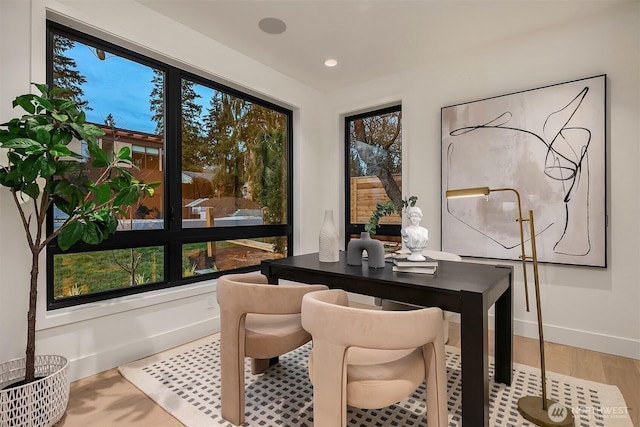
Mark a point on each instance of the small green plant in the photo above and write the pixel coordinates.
(189, 271)
(386, 209)
(76, 290)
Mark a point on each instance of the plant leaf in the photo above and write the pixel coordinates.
(60, 117)
(19, 142)
(25, 101)
(43, 88)
(126, 196)
(103, 194)
(98, 155)
(124, 153)
(32, 190)
(67, 104)
(47, 167)
(70, 234)
(60, 150)
(99, 163)
(90, 234)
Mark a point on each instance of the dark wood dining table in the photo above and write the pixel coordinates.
(468, 288)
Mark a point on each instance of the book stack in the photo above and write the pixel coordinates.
(403, 265)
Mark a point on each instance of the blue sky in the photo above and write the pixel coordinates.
(120, 87)
(115, 86)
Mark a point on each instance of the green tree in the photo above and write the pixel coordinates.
(65, 74)
(226, 148)
(376, 148)
(193, 142)
(266, 165)
(245, 148)
(156, 101)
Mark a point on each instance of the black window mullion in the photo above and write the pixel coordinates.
(173, 144)
(289, 159)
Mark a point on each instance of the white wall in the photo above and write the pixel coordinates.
(13, 284)
(584, 307)
(103, 335)
(591, 308)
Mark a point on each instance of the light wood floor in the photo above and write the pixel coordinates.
(107, 399)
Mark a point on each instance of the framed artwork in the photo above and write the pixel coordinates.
(549, 145)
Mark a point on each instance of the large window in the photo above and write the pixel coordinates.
(373, 170)
(222, 158)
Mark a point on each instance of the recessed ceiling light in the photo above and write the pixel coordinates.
(272, 25)
(330, 62)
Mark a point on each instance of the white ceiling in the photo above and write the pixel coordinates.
(369, 38)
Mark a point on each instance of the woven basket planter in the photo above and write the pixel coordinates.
(41, 403)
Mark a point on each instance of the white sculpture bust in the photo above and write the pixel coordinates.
(415, 238)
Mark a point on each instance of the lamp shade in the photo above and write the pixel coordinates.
(468, 192)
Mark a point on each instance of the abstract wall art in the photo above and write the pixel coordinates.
(548, 144)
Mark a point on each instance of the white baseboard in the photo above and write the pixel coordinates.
(619, 346)
(146, 346)
(572, 337)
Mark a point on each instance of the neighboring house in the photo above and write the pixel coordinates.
(222, 212)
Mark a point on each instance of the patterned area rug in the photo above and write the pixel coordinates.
(185, 381)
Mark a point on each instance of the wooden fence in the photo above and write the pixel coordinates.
(366, 191)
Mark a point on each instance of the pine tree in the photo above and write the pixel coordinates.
(192, 134)
(225, 146)
(245, 147)
(156, 101)
(266, 165)
(65, 74)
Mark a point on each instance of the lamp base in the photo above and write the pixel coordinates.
(530, 407)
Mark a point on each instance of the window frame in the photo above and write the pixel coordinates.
(357, 228)
(172, 236)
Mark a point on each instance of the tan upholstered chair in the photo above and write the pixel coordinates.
(259, 321)
(394, 305)
(372, 358)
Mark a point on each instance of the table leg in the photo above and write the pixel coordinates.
(503, 352)
(474, 341)
(265, 269)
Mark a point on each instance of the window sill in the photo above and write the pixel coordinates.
(69, 315)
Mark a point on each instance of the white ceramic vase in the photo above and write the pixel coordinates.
(329, 248)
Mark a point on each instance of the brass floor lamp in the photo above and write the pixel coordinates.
(539, 410)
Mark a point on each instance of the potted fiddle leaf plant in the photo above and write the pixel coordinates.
(41, 172)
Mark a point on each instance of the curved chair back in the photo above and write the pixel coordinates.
(372, 358)
(259, 321)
